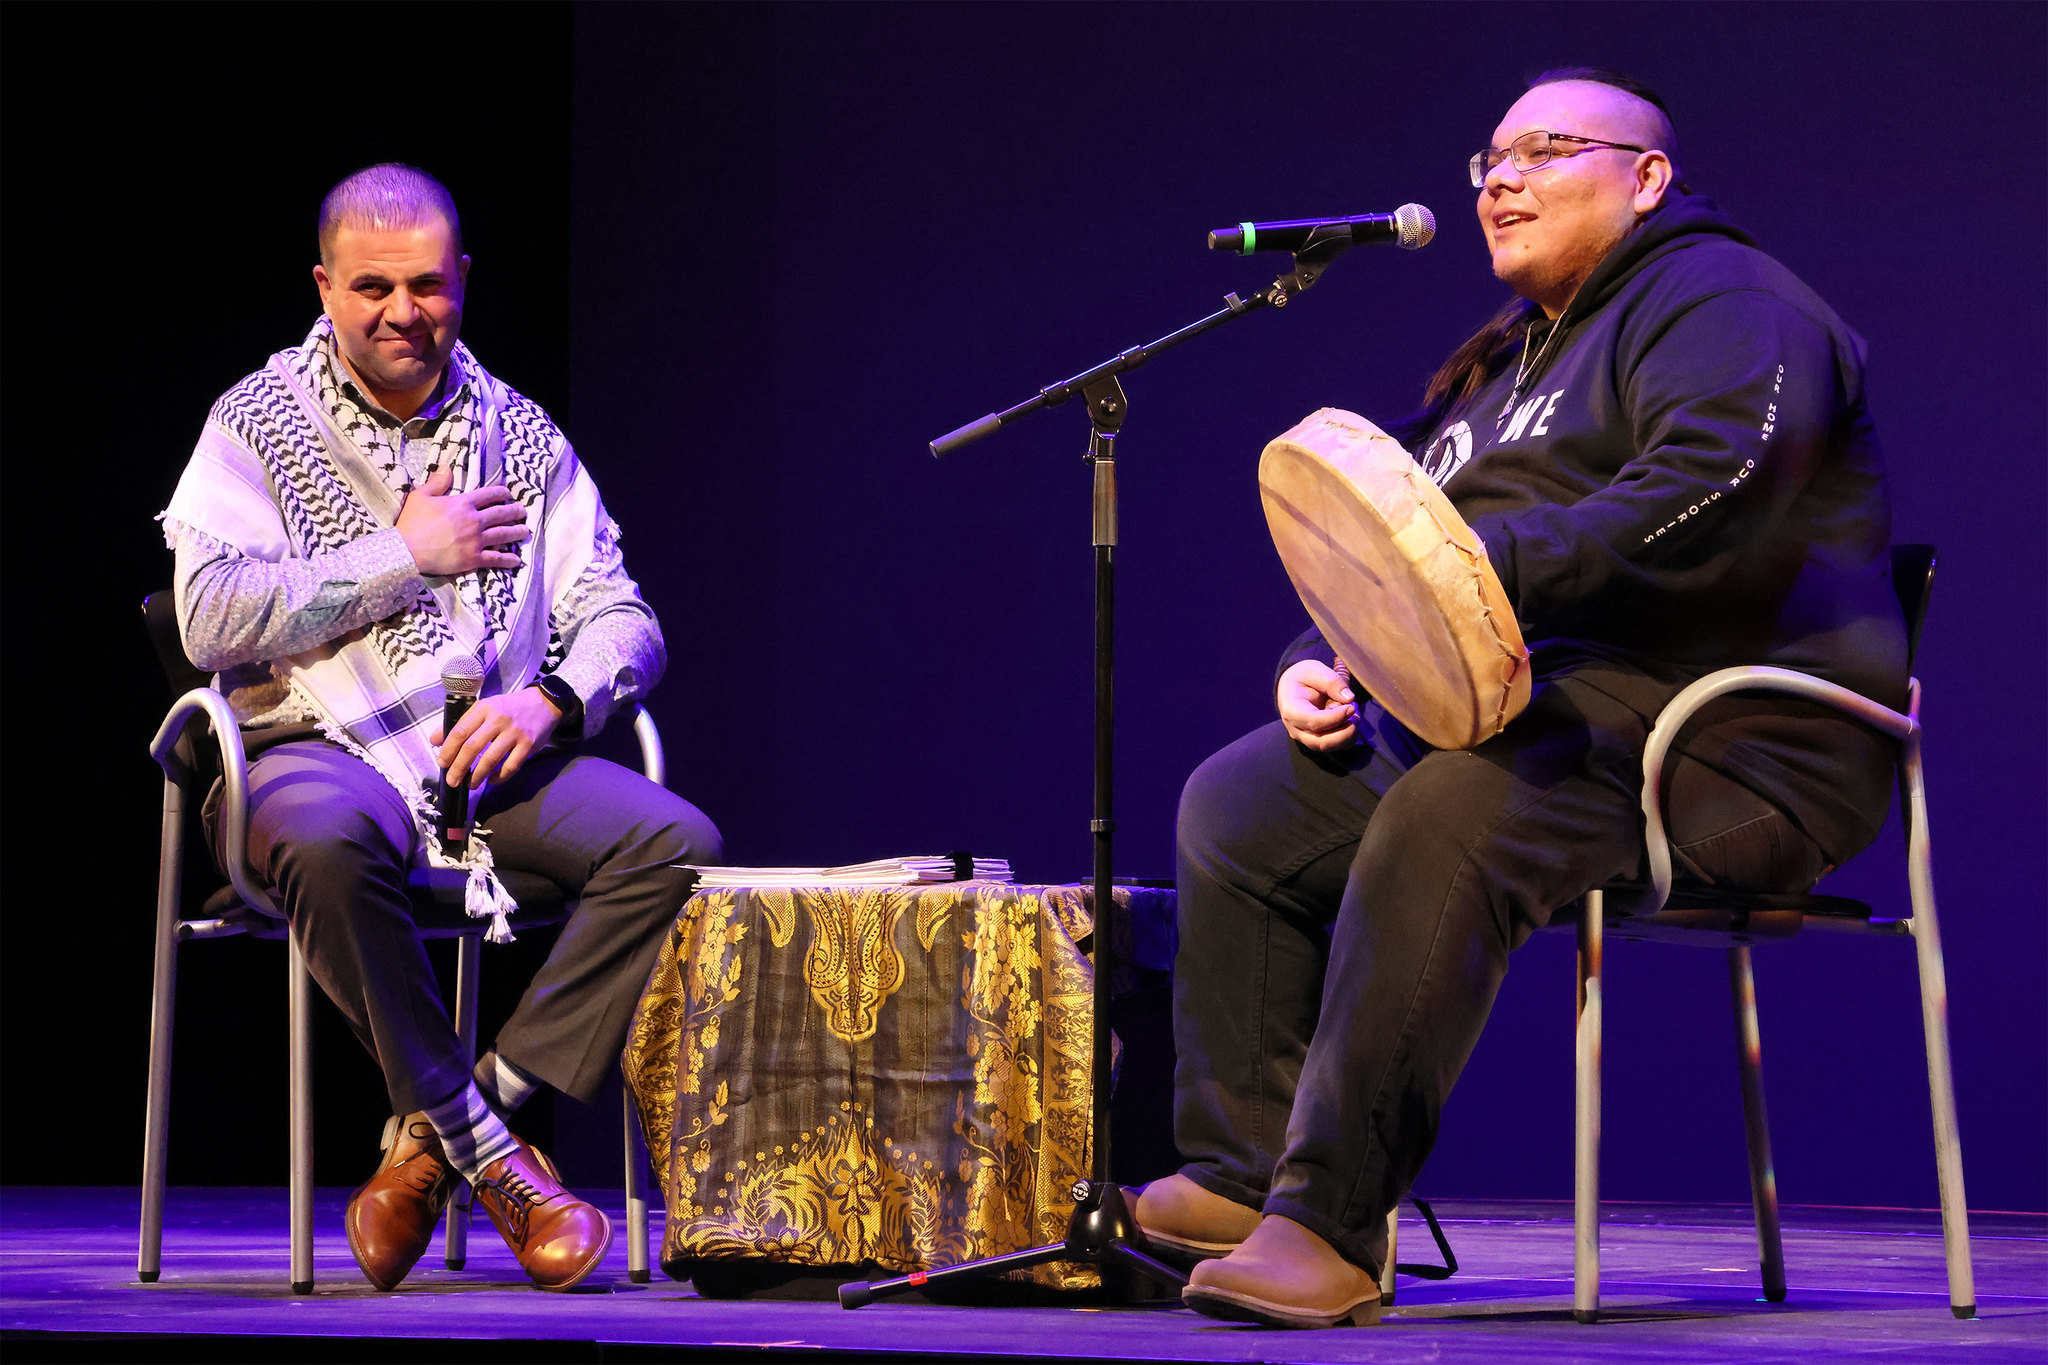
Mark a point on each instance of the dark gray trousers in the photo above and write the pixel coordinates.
(335, 840)
(1346, 919)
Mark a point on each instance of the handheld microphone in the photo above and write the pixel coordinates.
(1409, 226)
(462, 678)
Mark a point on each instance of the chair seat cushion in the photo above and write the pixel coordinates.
(437, 902)
(1832, 907)
(1697, 897)
(1709, 915)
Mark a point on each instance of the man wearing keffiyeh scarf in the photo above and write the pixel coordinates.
(369, 504)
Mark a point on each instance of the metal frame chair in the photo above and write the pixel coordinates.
(200, 726)
(1706, 916)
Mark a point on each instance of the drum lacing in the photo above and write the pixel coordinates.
(1513, 660)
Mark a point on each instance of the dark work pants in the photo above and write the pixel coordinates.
(335, 840)
(1346, 919)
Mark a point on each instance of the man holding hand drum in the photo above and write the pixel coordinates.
(1663, 446)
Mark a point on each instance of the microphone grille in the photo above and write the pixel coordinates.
(462, 675)
(1417, 225)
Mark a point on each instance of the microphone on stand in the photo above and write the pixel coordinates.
(462, 678)
(1410, 226)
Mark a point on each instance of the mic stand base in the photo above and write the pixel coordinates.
(1102, 1232)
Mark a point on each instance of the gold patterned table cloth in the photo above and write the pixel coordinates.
(893, 1077)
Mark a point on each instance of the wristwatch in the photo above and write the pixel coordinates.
(557, 690)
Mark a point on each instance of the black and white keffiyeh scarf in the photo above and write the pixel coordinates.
(286, 468)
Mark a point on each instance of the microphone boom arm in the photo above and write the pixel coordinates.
(1309, 264)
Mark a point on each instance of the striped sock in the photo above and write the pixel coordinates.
(471, 1132)
(504, 1085)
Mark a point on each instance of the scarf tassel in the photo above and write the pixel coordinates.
(485, 898)
(483, 895)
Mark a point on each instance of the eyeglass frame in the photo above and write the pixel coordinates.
(1481, 168)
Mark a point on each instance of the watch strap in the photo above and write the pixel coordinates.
(557, 690)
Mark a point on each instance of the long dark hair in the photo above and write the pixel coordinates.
(1499, 343)
(1469, 369)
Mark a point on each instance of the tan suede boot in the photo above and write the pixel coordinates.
(1284, 1276)
(1178, 1215)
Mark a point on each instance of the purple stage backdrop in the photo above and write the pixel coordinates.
(755, 257)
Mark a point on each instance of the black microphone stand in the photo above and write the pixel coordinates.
(1102, 1230)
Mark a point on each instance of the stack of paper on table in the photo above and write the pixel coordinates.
(883, 872)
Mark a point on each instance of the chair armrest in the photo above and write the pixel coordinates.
(1681, 709)
(653, 762)
(234, 768)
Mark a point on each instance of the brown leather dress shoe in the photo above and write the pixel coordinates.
(1284, 1276)
(1178, 1215)
(391, 1219)
(557, 1237)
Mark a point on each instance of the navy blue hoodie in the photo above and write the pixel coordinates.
(1683, 477)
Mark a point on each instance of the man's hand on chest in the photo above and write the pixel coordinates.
(453, 533)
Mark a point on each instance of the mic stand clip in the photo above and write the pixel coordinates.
(1324, 245)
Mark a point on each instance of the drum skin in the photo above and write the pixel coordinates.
(1396, 580)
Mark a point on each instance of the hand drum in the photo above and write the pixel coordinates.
(1396, 580)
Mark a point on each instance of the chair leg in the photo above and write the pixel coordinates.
(636, 1193)
(468, 978)
(1393, 1254)
(1763, 1180)
(1586, 1126)
(156, 1117)
(301, 1007)
(1948, 1144)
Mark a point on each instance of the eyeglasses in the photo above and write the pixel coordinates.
(1532, 150)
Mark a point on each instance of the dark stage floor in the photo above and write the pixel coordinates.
(1680, 1286)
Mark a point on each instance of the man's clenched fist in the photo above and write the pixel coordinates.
(1317, 706)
